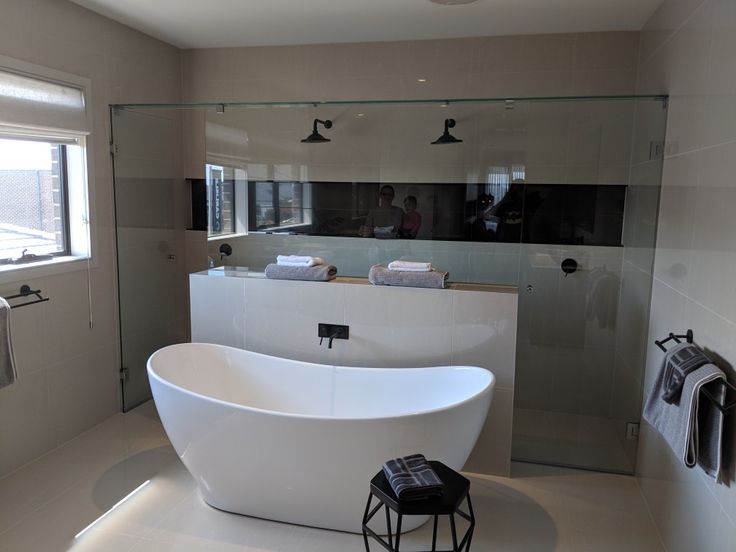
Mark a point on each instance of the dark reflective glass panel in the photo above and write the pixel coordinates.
(509, 213)
(573, 214)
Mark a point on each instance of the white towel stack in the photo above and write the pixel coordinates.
(298, 260)
(410, 266)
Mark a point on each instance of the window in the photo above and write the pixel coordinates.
(278, 205)
(33, 209)
(43, 167)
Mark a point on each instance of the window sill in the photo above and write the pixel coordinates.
(40, 269)
(223, 237)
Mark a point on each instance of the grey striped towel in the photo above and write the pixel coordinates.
(379, 275)
(678, 363)
(694, 428)
(316, 273)
(412, 478)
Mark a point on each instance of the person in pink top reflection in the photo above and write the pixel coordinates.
(411, 221)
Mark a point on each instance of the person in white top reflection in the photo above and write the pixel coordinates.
(383, 221)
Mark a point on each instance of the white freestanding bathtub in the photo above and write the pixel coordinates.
(298, 442)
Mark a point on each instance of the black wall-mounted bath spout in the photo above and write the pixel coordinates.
(332, 331)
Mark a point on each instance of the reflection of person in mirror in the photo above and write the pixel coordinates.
(486, 222)
(508, 211)
(385, 220)
(411, 221)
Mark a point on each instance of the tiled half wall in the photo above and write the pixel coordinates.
(389, 327)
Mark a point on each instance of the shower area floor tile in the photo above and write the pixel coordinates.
(571, 440)
(46, 505)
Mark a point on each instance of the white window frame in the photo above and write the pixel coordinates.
(240, 201)
(80, 171)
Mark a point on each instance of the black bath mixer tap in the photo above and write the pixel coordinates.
(331, 332)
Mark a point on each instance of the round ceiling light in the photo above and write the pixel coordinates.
(452, 2)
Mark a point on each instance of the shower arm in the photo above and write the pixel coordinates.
(326, 123)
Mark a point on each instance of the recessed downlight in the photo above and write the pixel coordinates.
(421, 79)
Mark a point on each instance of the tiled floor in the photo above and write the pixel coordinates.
(45, 504)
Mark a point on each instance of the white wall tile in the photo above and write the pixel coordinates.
(376, 312)
(123, 65)
(82, 391)
(492, 452)
(29, 430)
(282, 318)
(690, 51)
(484, 333)
(218, 310)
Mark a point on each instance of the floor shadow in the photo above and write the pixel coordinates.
(147, 410)
(128, 474)
(505, 519)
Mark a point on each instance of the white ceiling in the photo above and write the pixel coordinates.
(223, 23)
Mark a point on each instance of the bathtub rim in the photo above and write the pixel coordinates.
(487, 389)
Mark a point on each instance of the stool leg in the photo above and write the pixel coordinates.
(470, 537)
(454, 533)
(365, 520)
(434, 535)
(398, 532)
(388, 527)
(472, 522)
(470, 509)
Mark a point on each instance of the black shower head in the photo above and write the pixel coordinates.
(446, 137)
(316, 137)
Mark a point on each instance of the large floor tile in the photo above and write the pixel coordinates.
(538, 508)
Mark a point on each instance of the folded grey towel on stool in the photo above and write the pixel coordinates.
(694, 428)
(412, 478)
(381, 276)
(317, 273)
(679, 361)
(8, 373)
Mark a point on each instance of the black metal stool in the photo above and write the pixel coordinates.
(457, 489)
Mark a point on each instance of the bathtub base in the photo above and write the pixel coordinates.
(407, 524)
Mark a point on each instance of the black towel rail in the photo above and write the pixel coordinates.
(26, 291)
(727, 406)
(676, 338)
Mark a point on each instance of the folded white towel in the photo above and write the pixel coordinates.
(298, 260)
(409, 266)
(8, 373)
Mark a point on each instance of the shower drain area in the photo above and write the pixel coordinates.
(572, 440)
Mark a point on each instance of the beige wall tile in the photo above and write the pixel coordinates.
(54, 340)
(688, 47)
